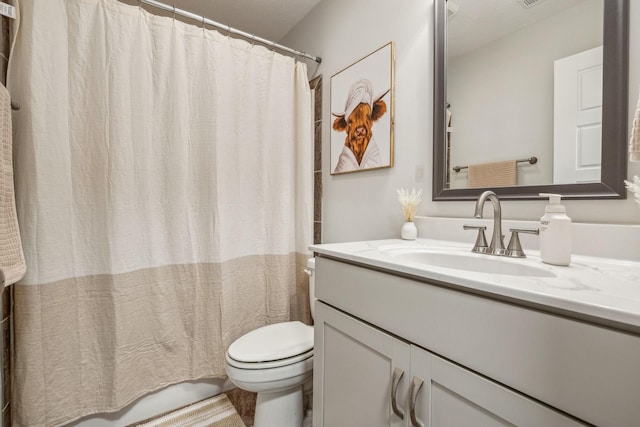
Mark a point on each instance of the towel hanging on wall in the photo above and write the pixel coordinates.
(12, 261)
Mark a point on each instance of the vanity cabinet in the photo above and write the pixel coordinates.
(480, 361)
(370, 378)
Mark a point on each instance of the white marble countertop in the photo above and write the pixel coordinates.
(599, 288)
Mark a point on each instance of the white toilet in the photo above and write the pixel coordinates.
(275, 361)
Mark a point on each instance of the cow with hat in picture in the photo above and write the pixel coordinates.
(362, 109)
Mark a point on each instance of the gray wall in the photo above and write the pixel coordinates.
(362, 206)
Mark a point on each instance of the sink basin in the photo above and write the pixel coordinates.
(466, 261)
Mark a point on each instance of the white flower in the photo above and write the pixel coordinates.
(409, 200)
(634, 187)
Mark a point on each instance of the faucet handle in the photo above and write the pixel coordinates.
(481, 242)
(514, 249)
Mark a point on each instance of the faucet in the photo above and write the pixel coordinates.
(496, 247)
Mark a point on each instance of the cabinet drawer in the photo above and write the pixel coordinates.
(586, 370)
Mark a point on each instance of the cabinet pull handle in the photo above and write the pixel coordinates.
(395, 382)
(416, 385)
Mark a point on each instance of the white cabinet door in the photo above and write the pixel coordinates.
(354, 366)
(452, 396)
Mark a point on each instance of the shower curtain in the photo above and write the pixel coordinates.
(163, 187)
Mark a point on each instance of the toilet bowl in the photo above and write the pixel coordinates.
(275, 361)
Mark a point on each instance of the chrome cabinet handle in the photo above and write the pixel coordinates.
(395, 382)
(416, 385)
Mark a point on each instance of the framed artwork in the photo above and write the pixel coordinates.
(362, 114)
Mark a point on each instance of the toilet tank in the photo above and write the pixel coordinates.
(311, 271)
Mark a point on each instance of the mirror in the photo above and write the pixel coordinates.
(506, 88)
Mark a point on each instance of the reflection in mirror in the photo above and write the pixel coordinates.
(531, 96)
(502, 68)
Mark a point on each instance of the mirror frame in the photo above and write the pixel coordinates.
(615, 90)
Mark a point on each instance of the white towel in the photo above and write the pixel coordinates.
(11, 256)
(634, 142)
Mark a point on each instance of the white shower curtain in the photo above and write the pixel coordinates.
(164, 193)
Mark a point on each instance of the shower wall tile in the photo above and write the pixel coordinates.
(4, 48)
(6, 302)
(317, 149)
(317, 232)
(6, 298)
(6, 370)
(5, 293)
(6, 415)
(316, 86)
(317, 195)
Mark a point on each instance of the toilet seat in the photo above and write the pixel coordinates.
(269, 364)
(271, 346)
(260, 379)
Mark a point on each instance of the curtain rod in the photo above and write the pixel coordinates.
(227, 28)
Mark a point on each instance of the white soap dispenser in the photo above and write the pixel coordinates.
(555, 232)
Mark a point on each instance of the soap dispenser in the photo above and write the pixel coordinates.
(555, 232)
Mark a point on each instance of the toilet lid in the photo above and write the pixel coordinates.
(273, 342)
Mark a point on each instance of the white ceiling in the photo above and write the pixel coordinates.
(477, 23)
(270, 19)
(474, 24)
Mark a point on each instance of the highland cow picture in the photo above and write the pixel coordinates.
(362, 114)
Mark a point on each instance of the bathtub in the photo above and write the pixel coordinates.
(156, 403)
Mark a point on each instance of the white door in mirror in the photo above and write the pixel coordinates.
(577, 124)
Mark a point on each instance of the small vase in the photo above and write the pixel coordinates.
(409, 231)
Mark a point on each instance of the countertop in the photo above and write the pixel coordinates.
(600, 289)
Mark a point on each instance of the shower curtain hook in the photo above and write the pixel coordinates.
(203, 24)
(253, 39)
(174, 13)
(228, 31)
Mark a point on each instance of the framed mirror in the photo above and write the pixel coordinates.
(530, 96)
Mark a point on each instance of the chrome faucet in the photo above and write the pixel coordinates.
(496, 247)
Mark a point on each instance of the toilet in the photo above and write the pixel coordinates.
(275, 361)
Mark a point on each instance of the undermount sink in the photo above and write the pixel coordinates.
(465, 261)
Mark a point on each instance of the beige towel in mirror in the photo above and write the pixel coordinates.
(497, 174)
